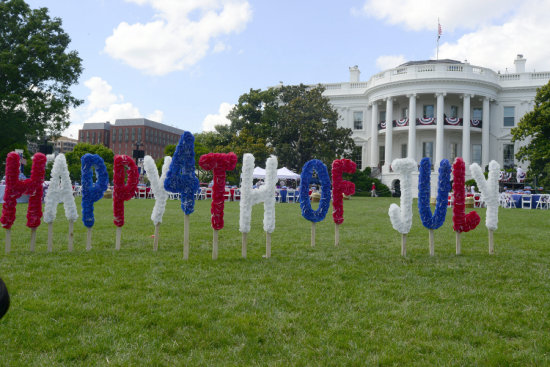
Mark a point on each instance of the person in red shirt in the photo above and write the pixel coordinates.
(373, 190)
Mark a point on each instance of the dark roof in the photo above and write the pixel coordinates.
(421, 62)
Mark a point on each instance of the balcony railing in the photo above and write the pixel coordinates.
(427, 121)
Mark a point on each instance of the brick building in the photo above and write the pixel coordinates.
(122, 136)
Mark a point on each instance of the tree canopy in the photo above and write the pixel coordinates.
(73, 158)
(534, 130)
(296, 123)
(36, 73)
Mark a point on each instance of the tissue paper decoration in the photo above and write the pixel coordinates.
(438, 218)
(60, 191)
(181, 176)
(324, 203)
(341, 187)
(218, 163)
(15, 188)
(123, 192)
(92, 192)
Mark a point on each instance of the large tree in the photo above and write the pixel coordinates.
(534, 130)
(297, 123)
(36, 73)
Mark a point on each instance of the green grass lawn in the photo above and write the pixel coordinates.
(357, 304)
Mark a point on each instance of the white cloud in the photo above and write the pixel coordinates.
(212, 120)
(180, 34)
(102, 105)
(157, 116)
(422, 14)
(496, 30)
(526, 32)
(390, 61)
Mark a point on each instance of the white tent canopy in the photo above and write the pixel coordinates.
(282, 174)
(258, 172)
(285, 173)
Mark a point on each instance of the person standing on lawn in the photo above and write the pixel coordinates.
(373, 190)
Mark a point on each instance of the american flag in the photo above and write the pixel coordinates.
(438, 30)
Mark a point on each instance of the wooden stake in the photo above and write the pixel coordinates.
(312, 234)
(8, 241)
(431, 242)
(267, 245)
(243, 250)
(403, 244)
(33, 239)
(156, 238)
(89, 240)
(215, 245)
(71, 237)
(458, 244)
(118, 234)
(50, 237)
(186, 237)
(491, 243)
(336, 234)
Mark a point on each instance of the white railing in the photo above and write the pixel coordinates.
(359, 85)
(540, 75)
(425, 68)
(509, 76)
(333, 86)
(455, 68)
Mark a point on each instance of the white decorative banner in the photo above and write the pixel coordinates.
(157, 185)
(401, 217)
(251, 196)
(60, 191)
(489, 191)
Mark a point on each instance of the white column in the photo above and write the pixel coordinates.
(466, 131)
(439, 138)
(374, 159)
(485, 133)
(412, 127)
(389, 134)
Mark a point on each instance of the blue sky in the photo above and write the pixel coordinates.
(186, 62)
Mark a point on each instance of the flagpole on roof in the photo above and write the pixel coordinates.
(438, 37)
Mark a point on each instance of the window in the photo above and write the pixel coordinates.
(139, 134)
(119, 135)
(508, 157)
(453, 152)
(381, 155)
(125, 134)
(404, 151)
(93, 138)
(478, 113)
(428, 150)
(428, 111)
(358, 156)
(382, 116)
(509, 115)
(133, 134)
(358, 120)
(476, 153)
(454, 112)
(404, 113)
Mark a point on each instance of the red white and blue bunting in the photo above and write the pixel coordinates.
(402, 122)
(455, 121)
(382, 124)
(426, 120)
(476, 123)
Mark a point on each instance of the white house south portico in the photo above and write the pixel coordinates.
(439, 109)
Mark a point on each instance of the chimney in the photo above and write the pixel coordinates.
(354, 74)
(520, 63)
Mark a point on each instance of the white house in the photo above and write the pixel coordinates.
(438, 109)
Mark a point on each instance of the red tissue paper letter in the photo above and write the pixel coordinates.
(218, 163)
(123, 192)
(341, 187)
(461, 221)
(15, 188)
